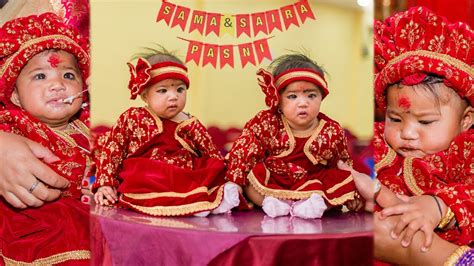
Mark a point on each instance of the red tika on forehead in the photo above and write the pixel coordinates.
(404, 102)
(54, 60)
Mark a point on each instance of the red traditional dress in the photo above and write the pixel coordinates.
(447, 174)
(58, 231)
(278, 164)
(161, 167)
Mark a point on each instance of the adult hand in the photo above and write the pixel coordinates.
(22, 166)
(364, 185)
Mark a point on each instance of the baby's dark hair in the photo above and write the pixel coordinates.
(295, 60)
(429, 84)
(158, 55)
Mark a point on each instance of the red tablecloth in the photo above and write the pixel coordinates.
(122, 237)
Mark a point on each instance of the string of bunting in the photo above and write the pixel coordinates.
(235, 24)
(250, 53)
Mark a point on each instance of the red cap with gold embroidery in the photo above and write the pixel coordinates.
(412, 44)
(23, 38)
(144, 75)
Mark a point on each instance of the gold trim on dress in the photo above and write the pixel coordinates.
(315, 134)
(54, 259)
(152, 195)
(181, 140)
(291, 138)
(293, 194)
(338, 185)
(409, 178)
(76, 127)
(434, 55)
(28, 43)
(309, 182)
(386, 160)
(179, 210)
(158, 122)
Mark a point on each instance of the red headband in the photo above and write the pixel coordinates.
(415, 43)
(144, 75)
(272, 86)
(301, 74)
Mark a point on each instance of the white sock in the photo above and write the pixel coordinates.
(202, 214)
(310, 208)
(230, 200)
(274, 207)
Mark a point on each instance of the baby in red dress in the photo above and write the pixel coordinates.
(286, 156)
(424, 150)
(43, 65)
(161, 160)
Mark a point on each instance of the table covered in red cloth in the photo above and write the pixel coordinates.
(122, 237)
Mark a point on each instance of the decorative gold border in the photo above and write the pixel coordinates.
(300, 73)
(443, 57)
(295, 195)
(309, 182)
(386, 160)
(311, 139)
(337, 186)
(28, 43)
(456, 255)
(158, 122)
(182, 141)
(168, 69)
(54, 259)
(291, 138)
(409, 178)
(178, 210)
(77, 127)
(152, 195)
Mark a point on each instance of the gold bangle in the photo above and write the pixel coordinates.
(453, 258)
(448, 217)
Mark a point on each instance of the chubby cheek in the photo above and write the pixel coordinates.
(392, 137)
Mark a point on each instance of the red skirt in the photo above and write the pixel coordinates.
(334, 185)
(57, 232)
(157, 188)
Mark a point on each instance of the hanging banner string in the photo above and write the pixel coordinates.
(235, 24)
(250, 53)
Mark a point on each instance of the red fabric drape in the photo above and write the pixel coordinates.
(347, 249)
(453, 10)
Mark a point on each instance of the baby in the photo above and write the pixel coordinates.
(286, 156)
(43, 65)
(161, 159)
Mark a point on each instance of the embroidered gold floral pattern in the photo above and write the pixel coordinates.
(267, 138)
(135, 128)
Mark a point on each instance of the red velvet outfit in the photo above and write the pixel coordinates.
(57, 231)
(161, 167)
(268, 157)
(447, 174)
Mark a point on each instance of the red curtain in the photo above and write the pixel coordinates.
(454, 10)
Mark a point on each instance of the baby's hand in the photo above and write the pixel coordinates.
(417, 213)
(105, 195)
(355, 205)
